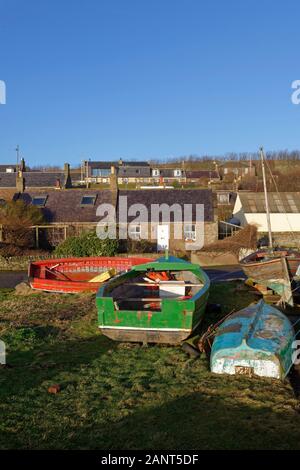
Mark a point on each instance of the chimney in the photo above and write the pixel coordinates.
(113, 179)
(20, 182)
(120, 162)
(22, 165)
(67, 176)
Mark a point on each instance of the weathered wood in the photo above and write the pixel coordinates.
(256, 340)
(138, 299)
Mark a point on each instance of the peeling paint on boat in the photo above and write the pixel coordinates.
(257, 340)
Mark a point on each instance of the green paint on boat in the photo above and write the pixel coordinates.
(129, 309)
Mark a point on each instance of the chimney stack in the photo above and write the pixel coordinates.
(113, 179)
(67, 176)
(22, 165)
(20, 182)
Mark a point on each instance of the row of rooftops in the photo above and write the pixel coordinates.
(91, 172)
(80, 205)
(95, 170)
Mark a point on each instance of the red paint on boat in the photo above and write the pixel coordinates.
(72, 275)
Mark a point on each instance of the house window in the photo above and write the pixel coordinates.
(177, 173)
(134, 232)
(223, 198)
(189, 232)
(225, 171)
(88, 200)
(155, 172)
(100, 172)
(39, 201)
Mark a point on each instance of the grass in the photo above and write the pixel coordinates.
(125, 396)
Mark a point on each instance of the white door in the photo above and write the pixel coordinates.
(163, 235)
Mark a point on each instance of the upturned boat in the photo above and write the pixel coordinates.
(158, 302)
(73, 275)
(254, 341)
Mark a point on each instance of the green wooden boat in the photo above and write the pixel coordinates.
(158, 302)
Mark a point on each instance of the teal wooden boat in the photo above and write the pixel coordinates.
(254, 341)
(158, 302)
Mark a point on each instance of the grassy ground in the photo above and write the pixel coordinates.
(120, 396)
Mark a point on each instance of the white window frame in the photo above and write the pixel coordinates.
(189, 231)
(225, 197)
(135, 231)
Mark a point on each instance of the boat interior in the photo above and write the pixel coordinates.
(146, 290)
(267, 255)
(65, 272)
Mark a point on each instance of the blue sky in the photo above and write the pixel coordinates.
(147, 79)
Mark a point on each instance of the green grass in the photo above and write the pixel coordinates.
(125, 396)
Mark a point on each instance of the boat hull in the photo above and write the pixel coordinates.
(172, 324)
(257, 266)
(73, 275)
(140, 335)
(275, 272)
(255, 341)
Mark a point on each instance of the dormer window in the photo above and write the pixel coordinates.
(88, 200)
(39, 201)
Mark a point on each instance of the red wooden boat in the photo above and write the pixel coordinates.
(72, 275)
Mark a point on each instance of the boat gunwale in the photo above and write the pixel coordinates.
(248, 261)
(75, 286)
(195, 270)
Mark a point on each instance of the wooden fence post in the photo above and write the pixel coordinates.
(36, 237)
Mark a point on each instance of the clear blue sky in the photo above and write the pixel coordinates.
(143, 79)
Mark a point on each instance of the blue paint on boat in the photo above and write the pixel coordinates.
(256, 341)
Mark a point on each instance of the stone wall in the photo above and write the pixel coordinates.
(287, 239)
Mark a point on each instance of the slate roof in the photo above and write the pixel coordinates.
(170, 197)
(4, 167)
(278, 202)
(33, 179)
(65, 205)
(134, 171)
(7, 180)
(102, 165)
(41, 179)
(108, 165)
(134, 163)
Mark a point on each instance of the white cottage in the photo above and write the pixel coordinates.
(284, 208)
